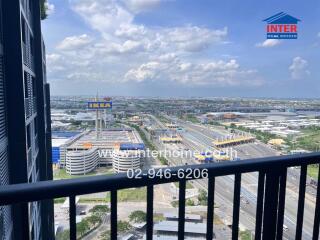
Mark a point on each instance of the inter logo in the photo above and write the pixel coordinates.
(282, 26)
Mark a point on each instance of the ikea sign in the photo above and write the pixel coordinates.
(99, 105)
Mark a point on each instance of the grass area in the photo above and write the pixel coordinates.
(215, 123)
(62, 174)
(158, 217)
(188, 185)
(93, 200)
(191, 118)
(217, 220)
(245, 235)
(132, 195)
(310, 139)
(125, 195)
(59, 200)
(313, 171)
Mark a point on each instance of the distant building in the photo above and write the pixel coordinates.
(172, 139)
(59, 139)
(168, 229)
(116, 147)
(276, 141)
(135, 120)
(221, 116)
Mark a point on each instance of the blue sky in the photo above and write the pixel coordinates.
(180, 48)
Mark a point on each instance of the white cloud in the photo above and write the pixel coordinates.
(193, 38)
(74, 42)
(218, 73)
(130, 52)
(299, 68)
(137, 6)
(130, 31)
(269, 43)
(50, 8)
(319, 34)
(105, 16)
(115, 23)
(128, 46)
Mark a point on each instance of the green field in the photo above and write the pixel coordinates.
(245, 235)
(192, 118)
(62, 174)
(313, 171)
(310, 139)
(125, 195)
(131, 195)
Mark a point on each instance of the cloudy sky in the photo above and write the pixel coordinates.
(180, 48)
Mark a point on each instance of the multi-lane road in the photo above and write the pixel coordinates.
(199, 137)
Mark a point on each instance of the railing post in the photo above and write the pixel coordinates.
(149, 231)
(270, 205)
(302, 191)
(182, 204)
(282, 200)
(236, 206)
(316, 221)
(72, 217)
(210, 207)
(114, 217)
(259, 209)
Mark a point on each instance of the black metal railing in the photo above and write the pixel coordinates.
(270, 205)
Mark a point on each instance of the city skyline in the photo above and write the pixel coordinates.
(175, 48)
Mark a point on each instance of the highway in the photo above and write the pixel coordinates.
(200, 138)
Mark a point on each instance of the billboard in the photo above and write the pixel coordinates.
(55, 155)
(131, 146)
(100, 105)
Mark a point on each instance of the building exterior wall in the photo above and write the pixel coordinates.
(5, 212)
(23, 122)
(81, 162)
(125, 160)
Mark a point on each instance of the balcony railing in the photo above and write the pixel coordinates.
(270, 205)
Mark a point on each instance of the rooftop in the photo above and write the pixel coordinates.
(107, 138)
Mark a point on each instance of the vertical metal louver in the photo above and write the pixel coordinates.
(5, 212)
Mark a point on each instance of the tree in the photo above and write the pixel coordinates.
(82, 227)
(93, 220)
(65, 235)
(43, 9)
(189, 202)
(203, 197)
(99, 210)
(123, 226)
(138, 216)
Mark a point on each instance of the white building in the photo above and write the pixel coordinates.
(111, 147)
